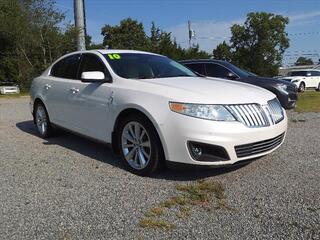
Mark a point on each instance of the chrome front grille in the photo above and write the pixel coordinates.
(276, 111)
(255, 115)
(252, 115)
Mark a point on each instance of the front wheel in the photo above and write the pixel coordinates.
(140, 146)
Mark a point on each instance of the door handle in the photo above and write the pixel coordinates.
(74, 90)
(47, 86)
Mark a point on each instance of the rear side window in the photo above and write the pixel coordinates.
(215, 70)
(66, 67)
(298, 73)
(315, 73)
(197, 67)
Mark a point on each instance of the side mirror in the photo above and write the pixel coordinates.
(93, 76)
(308, 74)
(231, 76)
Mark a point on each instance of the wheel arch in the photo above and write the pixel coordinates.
(36, 101)
(133, 110)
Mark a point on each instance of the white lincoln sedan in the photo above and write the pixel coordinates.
(152, 109)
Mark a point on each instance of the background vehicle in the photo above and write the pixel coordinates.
(9, 88)
(285, 92)
(303, 79)
(151, 109)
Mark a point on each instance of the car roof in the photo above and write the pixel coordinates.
(203, 61)
(107, 51)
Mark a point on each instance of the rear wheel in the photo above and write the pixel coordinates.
(302, 87)
(318, 89)
(42, 121)
(140, 146)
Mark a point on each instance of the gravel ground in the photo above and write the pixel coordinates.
(68, 187)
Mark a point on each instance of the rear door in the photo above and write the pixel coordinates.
(58, 90)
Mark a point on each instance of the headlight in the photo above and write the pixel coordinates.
(282, 87)
(204, 111)
(295, 81)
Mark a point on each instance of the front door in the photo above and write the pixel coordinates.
(91, 100)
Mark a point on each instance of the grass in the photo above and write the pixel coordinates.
(184, 212)
(155, 212)
(156, 224)
(201, 193)
(308, 101)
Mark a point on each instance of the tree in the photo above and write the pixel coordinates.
(222, 52)
(128, 35)
(303, 61)
(259, 44)
(31, 38)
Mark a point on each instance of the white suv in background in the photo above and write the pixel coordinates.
(151, 109)
(308, 78)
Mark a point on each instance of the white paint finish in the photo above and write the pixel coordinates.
(91, 109)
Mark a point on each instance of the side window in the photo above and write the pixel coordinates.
(66, 67)
(197, 67)
(315, 73)
(215, 70)
(92, 63)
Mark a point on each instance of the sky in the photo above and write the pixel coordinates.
(210, 19)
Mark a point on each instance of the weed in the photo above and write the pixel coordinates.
(184, 212)
(154, 212)
(156, 223)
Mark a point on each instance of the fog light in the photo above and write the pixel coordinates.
(207, 152)
(196, 150)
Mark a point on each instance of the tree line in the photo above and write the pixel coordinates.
(33, 33)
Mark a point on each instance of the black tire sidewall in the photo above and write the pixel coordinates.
(156, 148)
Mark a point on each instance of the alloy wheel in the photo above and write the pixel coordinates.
(136, 145)
(41, 120)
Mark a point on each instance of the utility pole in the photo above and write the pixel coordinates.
(191, 32)
(79, 19)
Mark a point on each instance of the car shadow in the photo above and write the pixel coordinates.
(103, 153)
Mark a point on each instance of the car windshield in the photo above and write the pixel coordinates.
(298, 73)
(146, 66)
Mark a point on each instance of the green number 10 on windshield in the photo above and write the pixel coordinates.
(114, 56)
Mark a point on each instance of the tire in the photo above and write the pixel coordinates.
(139, 144)
(42, 121)
(302, 87)
(318, 89)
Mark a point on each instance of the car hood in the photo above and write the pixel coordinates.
(266, 80)
(270, 83)
(293, 78)
(209, 90)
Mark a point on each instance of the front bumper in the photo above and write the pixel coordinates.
(289, 101)
(180, 129)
